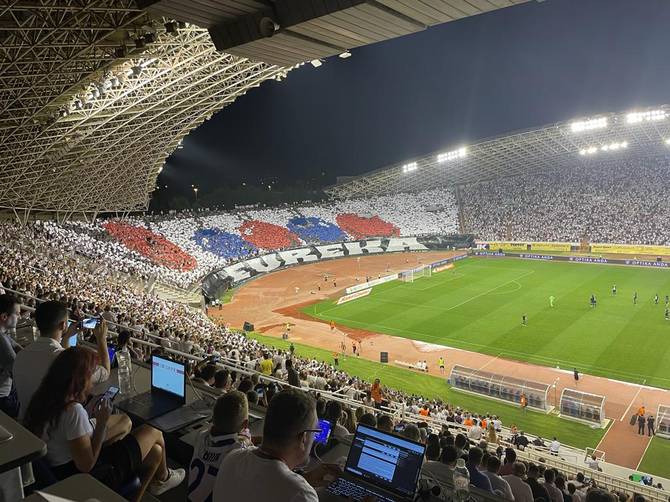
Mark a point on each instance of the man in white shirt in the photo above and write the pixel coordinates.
(554, 447)
(475, 432)
(499, 485)
(34, 361)
(520, 489)
(266, 473)
(229, 432)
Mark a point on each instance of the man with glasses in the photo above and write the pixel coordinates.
(267, 472)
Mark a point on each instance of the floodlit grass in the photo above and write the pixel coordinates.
(228, 295)
(573, 433)
(478, 306)
(656, 460)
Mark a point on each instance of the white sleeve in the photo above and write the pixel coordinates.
(74, 423)
(100, 375)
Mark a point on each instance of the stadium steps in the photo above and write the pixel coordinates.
(172, 293)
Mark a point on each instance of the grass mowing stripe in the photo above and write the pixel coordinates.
(468, 314)
(572, 433)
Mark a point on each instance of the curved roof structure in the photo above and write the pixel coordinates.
(642, 133)
(95, 95)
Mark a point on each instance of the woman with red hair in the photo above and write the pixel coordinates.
(75, 443)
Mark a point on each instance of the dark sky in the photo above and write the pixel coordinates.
(511, 69)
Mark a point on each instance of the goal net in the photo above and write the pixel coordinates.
(415, 273)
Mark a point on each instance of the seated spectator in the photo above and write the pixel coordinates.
(560, 484)
(461, 444)
(10, 311)
(539, 491)
(477, 479)
(385, 423)
(508, 464)
(222, 380)
(293, 377)
(575, 494)
(549, 479)
(441, 470)
(56, 414)
(411, 432)
(475, 432)
(266, 473)
(123, 342)
(229, 432)
(51, 318)
(521, 441)
(370, 420)
(499, 485)
(205, 372)
(599, 495)
(520, 489)
(334, 416)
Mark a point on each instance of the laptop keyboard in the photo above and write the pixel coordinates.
(142, 399)
(346, 488)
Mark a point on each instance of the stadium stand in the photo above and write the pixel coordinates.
(567, 204)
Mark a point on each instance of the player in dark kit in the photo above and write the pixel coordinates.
(593, 300)
(656, 299)
(524, 320)
(635, 298)
(613, 289)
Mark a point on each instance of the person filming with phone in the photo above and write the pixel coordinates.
(76, 444)
(51, 318)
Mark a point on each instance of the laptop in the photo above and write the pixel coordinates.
(381, 465)
(168, 391)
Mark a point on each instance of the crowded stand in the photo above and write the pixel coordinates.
(571, 203)
(37, 269)
(182, 248)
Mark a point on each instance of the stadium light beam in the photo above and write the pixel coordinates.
(408, 168)
(589, 125)
(649, 116)
(453, 155)
(604, 148)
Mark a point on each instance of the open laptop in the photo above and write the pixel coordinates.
(381, 465)
(168, 391)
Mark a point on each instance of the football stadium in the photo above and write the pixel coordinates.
(487, 321)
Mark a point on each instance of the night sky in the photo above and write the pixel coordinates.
(459, 82)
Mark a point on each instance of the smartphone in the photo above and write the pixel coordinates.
(260, 391)
(90, 323)
(110, 393)
(323, 436)
(73, 340)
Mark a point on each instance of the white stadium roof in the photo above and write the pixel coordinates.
(609, 136)
(95, 94)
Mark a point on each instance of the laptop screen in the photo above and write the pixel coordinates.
(385, 460)
(168, 376)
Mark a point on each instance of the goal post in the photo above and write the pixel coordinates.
(415, 273)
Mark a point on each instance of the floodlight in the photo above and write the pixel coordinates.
(345, 55)
(408, 168)
(315, 63)
(648, 116)
(453, 155)
(667, 141)
(589, 125)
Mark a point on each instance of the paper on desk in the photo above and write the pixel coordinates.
(54, 498)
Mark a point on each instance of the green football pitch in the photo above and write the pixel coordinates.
(478, 306)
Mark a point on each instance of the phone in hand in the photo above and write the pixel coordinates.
(90, 323)
(110, 393)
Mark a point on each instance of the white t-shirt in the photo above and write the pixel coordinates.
(208, 453)
(246, 476)
(72, 424)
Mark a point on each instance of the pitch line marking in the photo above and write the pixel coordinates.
(625, 413)
(490, 290)
(527, 357)
(493, 359)
(644, 453)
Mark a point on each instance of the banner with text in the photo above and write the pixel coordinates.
(353, 296)
(369, 284)
(634, 249)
